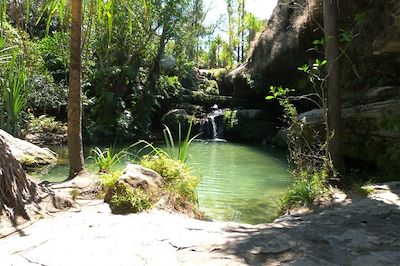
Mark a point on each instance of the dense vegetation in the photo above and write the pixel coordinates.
(136, 58)
(113, 69)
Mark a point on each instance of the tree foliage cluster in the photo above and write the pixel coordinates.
(135, 56)
(242, 28)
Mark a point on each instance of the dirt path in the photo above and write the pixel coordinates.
(366, 232)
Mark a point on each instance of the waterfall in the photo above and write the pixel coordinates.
(214, 128)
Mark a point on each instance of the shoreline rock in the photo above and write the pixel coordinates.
(27, 153)
(360, 232)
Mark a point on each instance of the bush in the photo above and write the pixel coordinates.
(124, 199)
(108, 180)
(130, 200)
(306, 157)
(303, 191)
(179, 183)
(45, 125)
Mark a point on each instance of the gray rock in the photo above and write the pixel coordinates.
(27, 153)
(134, 177)
(137, 176)
(365, 232)
(375, 113)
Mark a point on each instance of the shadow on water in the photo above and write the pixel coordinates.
(365, 232)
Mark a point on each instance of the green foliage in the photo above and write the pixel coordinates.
(135, 200)
(362, 189)
(55, 52)
(124, 198)
(106, 159)
(180, 152)
(305, 189)
(13, 96)
(306, 155)
(277, 92)
(108, 180)
(361, 18)
(178, 180)
(45, 124)
(230, 120)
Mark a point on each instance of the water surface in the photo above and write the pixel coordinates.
(239, 182)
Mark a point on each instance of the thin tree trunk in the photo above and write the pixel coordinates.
(74, 121)
(333, 85)
(242, 31)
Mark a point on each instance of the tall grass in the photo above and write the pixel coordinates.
(181, 152)
(15, 96)
(106, 159)
(175, 150)
(13, 89)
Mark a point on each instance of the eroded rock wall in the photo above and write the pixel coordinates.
(370, 60)
(372, 56)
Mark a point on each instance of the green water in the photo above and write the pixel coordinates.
(239, 182)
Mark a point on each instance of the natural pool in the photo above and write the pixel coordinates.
(239, 182)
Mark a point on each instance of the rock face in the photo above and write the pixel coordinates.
(27, 153)
(372, 55)
(370, 78)
(371, 131)
(251, 125)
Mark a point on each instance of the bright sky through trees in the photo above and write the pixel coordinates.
(260, 8)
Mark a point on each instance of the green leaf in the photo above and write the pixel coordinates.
(270, 97)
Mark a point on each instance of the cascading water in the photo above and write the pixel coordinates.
(214, 127)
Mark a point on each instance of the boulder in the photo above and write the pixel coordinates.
(27, 153)
(137, 176)
(134, 178)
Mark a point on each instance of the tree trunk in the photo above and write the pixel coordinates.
(242, 30)
(333, 86)
(15, 189)
(74, 121)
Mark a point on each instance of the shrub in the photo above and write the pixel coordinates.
(124, 199)
(178, 181)
(127, 199)
(303, 191)
(109, 180)
(45, 124)
(307, 156)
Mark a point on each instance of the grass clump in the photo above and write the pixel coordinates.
(106, 159)
(179, 183)
(303, 191)
(126, 199)
(362, 189)
(108, 180)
